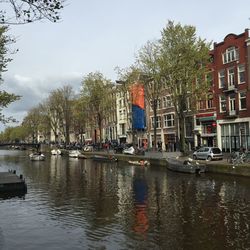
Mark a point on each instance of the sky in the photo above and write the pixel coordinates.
(95, 35)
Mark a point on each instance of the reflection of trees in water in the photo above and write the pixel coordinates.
(147, 207)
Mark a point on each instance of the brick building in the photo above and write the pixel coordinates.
(225, 120)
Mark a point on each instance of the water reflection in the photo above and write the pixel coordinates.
(140, 190)
(80, 204)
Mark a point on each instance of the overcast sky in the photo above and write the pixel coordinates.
(99, 35)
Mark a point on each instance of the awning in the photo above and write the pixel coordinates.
(207, 118)
(208, 135)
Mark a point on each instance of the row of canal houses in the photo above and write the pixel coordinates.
(222, 120)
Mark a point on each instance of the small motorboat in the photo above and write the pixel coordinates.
(104, 158)
(140, 162)
(56, 152)
(185, 166)
(74, 154)
(37, 156)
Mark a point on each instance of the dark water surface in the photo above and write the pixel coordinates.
(80, 204)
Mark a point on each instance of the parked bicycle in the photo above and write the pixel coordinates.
(237, 158)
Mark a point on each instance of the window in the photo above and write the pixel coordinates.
(168, 120)
(241, 74)
(231, 103)
(197, 122)
(223, 104)
(122, 128)
(158, 104)
(158, 122)
(167, 102)
(231, 78)
(222, 78)
(201, 105)
(209, 100)
(230, 55)
(242, 100)
(209, 79)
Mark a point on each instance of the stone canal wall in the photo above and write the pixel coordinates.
(218, 167)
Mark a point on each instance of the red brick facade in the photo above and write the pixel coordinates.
(229, 117)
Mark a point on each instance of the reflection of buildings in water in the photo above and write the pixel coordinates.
(140, 199)
(141, 219)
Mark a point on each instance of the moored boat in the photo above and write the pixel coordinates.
(56, 152)
(37, 157)
(104, 158)
(74, 153)
(140, 162)
(185, 166)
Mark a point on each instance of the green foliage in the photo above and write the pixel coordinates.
(183, 62)
(12, 134)
(5, 98)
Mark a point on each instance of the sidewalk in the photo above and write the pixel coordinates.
(161, 155)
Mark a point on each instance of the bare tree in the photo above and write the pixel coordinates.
(150, 76)
(97, 93)
(27, 11)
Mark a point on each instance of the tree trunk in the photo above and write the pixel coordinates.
(155, 122)
(100, 128)
(67, 134)
(183, 148)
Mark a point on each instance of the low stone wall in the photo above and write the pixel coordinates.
(219, 167)
(223, 168)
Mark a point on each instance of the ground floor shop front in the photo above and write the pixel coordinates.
(234, 135)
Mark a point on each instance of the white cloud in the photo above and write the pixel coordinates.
(35, 90)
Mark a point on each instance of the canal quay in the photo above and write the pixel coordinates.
(84, 204)
(159, 159)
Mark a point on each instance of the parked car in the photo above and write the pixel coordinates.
(208, 153)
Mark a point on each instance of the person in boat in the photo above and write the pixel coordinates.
(143, 162)
(188, 161)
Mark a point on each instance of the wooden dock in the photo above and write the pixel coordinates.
(10, 182)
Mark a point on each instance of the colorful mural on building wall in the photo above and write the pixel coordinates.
(138, 106)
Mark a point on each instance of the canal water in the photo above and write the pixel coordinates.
(81, 204)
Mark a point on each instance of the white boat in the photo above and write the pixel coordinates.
(56, 152)
(140, 162)
(75, 153)
(37, 157)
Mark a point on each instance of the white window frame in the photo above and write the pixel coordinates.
(158, 105)
(241, 69)
(232, 103)
(167, 101)
(241, 98)
(158, 122)
(231, 77)
(230, 55)
(224, 101)
(210, 101)
(169, 117)
(222, 75)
